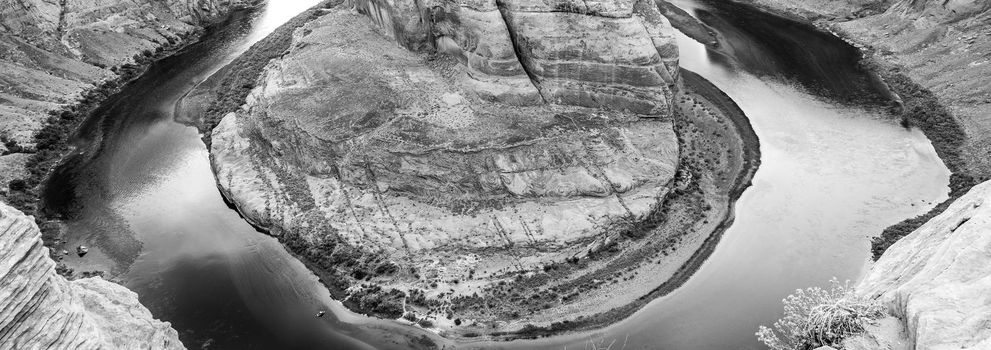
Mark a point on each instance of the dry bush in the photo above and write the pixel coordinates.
(816, 317)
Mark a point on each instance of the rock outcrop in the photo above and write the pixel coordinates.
(937, 281)
(483, 167)
(52, 51)
(393, 162)
(613, 54)
(41, 310)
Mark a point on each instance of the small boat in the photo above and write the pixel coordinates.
(321, 313)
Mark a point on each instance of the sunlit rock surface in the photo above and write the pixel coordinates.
(937, 280)
(613, 54)
(41, 310)
(442, 149)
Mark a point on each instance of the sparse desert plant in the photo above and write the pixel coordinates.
(816, 317)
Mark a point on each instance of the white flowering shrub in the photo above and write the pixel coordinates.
(816, 317)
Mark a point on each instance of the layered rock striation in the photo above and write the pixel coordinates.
(482, 167)
(617, 55)
(41, 310)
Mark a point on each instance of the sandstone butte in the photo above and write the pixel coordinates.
(486, 168)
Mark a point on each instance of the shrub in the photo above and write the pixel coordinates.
(817, 317)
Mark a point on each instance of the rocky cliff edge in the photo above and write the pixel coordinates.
(41, 310)
(936, 281)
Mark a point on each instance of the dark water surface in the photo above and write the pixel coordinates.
(140, 190)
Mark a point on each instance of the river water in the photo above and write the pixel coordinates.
(141, 192)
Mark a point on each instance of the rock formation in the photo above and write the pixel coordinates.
(41, 310)
(937, 281)
(481, 166)
(51, 52)
(615, 54)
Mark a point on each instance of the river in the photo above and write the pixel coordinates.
(141, 192)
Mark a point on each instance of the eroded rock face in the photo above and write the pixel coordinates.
(612, 54)
(422, 177)
(51, 51)
(41, 310)
(938, 278)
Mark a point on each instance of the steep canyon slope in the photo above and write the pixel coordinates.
(483, 166)
(924, 48)
(53, 52)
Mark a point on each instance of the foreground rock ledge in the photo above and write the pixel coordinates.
(41, 310)
(476, 183)
(935, 282)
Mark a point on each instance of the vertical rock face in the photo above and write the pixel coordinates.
(41, 310)
(52, 50)
(938, 278)
(617, 55)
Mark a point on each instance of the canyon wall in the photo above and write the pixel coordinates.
(52, 51)
(41, 310)
(613, 54)
(51, 54)
(942, 46)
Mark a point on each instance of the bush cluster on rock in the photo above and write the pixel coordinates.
(815, 317)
